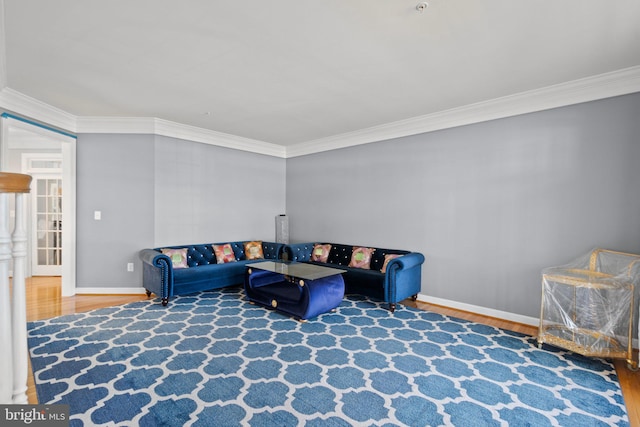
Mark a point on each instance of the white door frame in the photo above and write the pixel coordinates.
(69, 217)
(68, 192)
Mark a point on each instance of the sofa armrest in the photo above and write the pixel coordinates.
(407, 261)
(153, 257)
(403, 277)
(157, 273)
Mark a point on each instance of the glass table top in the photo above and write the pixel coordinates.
(297, 269)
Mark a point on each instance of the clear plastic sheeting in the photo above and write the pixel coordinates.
(588, 305)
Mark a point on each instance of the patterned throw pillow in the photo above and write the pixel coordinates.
(253, 250)
(388, 258)
(361, 257)
(320, 253)
(224, 253)
(178, 257)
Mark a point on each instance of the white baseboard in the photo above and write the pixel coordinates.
(512, 317)
(114, 291)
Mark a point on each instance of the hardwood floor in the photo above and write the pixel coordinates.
(44, 301)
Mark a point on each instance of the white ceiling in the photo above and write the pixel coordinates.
(291, 71)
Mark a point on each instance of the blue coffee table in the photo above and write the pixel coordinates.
(297, 289)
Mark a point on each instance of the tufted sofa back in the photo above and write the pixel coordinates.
(200, 255)
(341, 254)
(300, 252)
(269, 249)
(203, 254)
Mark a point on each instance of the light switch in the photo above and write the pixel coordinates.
(97, 215)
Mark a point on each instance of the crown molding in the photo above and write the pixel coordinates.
(150, 125)
(620, 82)
(135, 125)
(192, 133)
(19, 103)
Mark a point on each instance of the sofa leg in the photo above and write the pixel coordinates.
(414, 297)
(165, 301)
(148, 293)
(392, 307)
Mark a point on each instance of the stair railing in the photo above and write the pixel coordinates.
(14, 357)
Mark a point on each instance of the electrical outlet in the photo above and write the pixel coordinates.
(130, 266)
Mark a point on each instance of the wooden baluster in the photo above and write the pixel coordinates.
(13, 311)
(6, 340)
(20, 347)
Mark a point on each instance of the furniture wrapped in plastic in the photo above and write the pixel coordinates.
(588, 306)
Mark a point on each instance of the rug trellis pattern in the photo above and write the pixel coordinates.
(212, 359)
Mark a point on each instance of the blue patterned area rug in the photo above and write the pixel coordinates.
(212, 359)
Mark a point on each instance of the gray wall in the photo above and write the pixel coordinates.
(154, 191)
(206, 194)
(489, 204)
(114, 175)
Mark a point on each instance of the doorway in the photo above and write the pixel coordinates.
(46, 212)
(22, 136)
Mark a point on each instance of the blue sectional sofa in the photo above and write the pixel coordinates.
(203, 272)
(401, 279)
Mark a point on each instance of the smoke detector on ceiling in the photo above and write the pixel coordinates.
(422, 6)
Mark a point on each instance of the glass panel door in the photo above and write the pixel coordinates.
(48, 225)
